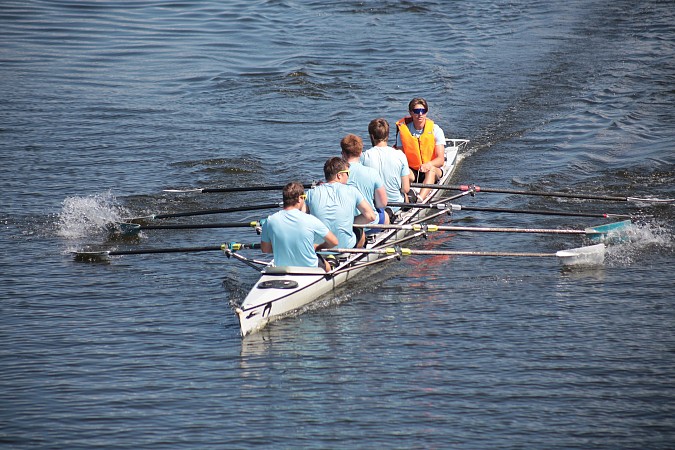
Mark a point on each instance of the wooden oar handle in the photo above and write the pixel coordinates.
(544, 212)
(474, 188)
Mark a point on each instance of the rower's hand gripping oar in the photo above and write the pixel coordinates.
(475, 188)
(100, 256)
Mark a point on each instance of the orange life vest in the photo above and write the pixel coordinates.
(417, 150)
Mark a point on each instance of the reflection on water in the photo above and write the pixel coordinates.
(581, 273)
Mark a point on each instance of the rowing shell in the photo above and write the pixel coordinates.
(282, 290)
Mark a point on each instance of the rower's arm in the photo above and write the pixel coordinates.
(405, 184)
(266, 247)
(439, 156)
(380, 197)
(437, 162)
(329, 241)
(367, 214)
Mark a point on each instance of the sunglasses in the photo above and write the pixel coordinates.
(303, 196)
(344, 171)
(419, 111)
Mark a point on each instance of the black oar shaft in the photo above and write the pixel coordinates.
(249, 188)
(147, 251)
(103, 256)
(217, 211)
(144, 251)
(197, 226)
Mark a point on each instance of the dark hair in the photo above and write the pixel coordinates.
(292, 192)
(378, 129)
(351, 145)
(417, 100)
(333, 166)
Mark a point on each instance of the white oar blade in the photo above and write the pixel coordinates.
(651, 200)
(183, 191)
(591, 255)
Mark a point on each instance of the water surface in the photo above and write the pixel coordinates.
(106, 104)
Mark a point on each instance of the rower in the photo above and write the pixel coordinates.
(366, 179)
(293, 236)
(389, 162)
(334, 203)
(423, 143)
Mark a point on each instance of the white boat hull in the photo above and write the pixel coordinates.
(283, 290)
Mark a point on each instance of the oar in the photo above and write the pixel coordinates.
(593, 254)
(132, 228)
(544, 212)
(593, 232)
(277, 187)
(105, 255)
(203, 212)
(543, 193)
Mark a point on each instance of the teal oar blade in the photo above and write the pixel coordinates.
(611, 232)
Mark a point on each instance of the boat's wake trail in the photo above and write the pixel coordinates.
(84, 216)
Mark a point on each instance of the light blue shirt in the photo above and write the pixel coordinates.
(392, 165)
(334, 204)
(293, 234)
(367, 180)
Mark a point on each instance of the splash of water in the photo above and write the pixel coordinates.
(641, 241)
(83, 216)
